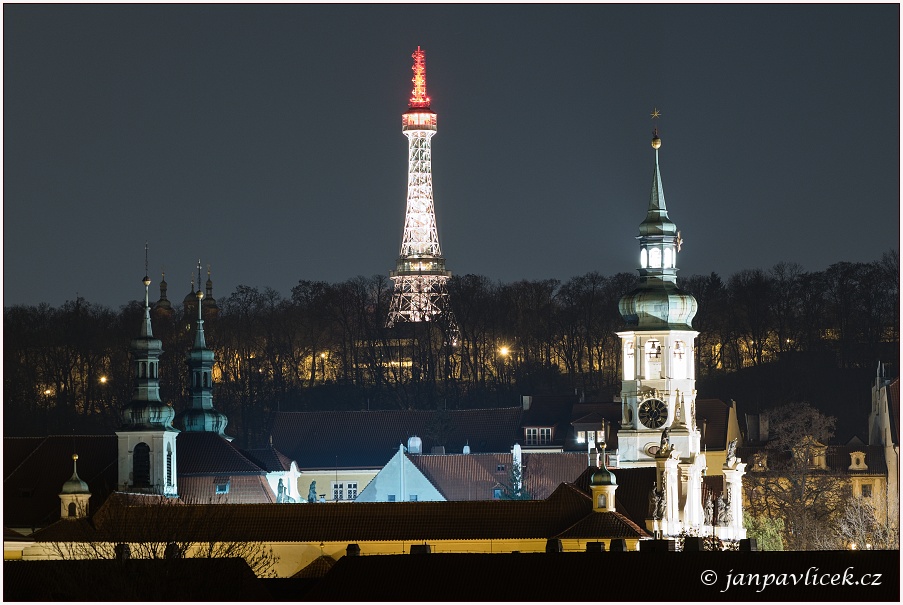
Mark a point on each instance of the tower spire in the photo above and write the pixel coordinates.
(420, 278)
(200, 415)
(146, 409)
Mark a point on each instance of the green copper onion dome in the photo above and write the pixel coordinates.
(146, 410)
(658, 303)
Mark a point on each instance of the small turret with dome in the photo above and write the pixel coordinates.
(146, 410)
(74, 495)
(201, 417)
(658, 303)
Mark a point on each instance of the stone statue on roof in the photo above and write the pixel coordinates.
(312, 492)
(709, 509)
(732, 452)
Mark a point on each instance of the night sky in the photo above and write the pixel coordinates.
(266, 140)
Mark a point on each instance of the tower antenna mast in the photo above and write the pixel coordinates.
(420, 278)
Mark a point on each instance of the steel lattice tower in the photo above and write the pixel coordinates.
(420, 278)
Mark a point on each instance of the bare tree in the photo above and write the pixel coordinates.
(155, 527)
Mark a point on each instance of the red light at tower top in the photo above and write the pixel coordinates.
(418, 95)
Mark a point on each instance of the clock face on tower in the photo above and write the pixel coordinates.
(653, 413)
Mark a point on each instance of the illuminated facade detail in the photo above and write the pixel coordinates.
(659, 381)
(147, 435)
(420, 278)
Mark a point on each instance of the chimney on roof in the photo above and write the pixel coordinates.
(526, 401)
(415, 445)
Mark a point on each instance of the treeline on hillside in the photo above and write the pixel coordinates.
(326, 345)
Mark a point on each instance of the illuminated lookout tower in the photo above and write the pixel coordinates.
(420, 278)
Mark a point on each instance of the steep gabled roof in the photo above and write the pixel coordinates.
(269, 458)
(368, 439)
(210, 454)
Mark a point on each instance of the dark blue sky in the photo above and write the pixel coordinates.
(266, 140)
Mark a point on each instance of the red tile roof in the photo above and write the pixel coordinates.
(353, 522)
(460, 477)
(242, 489)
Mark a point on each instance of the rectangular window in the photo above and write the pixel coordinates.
(497, 493)
(532, 436)
(222, 488)
(590, 435)
(500, 468)
(545, 436)
(413, 497)
(581, 436)
(391, 498)
(337, 491)
(867, 491)
(352, 490)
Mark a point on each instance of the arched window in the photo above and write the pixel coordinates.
(629, 361)
(653, 361)
(680, 356)
(141, 465)
(643, 257)
(73, 512)
(669, 260)
(603, 501)
(169, 465)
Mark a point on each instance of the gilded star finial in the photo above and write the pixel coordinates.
(680, 241)
(656, 113)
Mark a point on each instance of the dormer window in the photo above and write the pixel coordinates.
(538, 435)
(857, 461)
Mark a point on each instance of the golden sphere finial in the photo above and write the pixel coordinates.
(75, 456)
(200, 295)
(656, 142)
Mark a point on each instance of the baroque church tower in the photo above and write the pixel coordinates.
(147, 440)
(200, 415)
(658, 391)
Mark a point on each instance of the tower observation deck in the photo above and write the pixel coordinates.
(420, 278)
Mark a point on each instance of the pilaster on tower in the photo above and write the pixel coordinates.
(420, 278)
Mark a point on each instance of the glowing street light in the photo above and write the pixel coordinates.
(504, 351)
